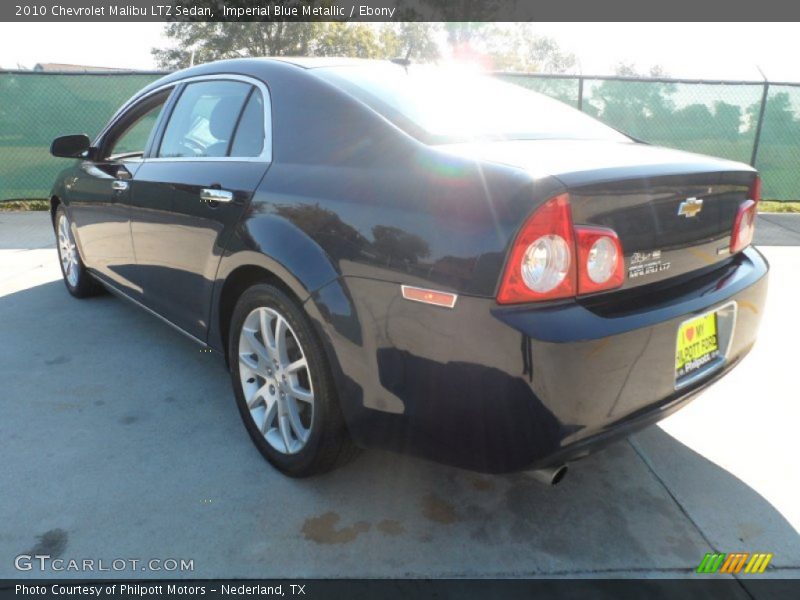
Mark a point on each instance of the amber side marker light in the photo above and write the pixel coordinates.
(434, 297)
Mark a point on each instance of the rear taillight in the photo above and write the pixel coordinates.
(601, 265)
(744, 224)
(550, 259)
(541, 264)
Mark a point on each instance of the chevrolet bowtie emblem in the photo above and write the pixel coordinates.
(690, 207)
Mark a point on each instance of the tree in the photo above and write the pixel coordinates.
(641, 108)
(508, 47)
(728, 119)
(629, 69)
(214, 41)
(206, 42)
(520, 49)
(779, 123)
(692, 122)
(467, 33)
(415, 41)
(346, 39)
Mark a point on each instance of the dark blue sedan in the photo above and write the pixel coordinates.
(417, 259)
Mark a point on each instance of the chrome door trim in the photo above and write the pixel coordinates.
(266, 152)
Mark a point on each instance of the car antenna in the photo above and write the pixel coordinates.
(404, 62)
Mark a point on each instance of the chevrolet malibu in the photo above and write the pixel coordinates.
(415, 259)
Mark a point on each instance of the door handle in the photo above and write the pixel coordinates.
(119, 186)
(212, 195)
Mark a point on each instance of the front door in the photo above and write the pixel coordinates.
(187, 197)
(99, 193)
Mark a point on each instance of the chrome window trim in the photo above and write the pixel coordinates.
(129, 105)
(266, 152)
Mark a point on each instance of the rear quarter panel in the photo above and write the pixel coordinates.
(379, 203)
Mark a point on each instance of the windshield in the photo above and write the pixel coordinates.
(439, 105)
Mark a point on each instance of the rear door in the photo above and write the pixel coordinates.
(190, 192)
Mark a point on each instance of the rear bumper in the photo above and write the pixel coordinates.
(500, 389)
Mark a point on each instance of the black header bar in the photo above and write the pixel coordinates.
(694, 587)
(402, 10)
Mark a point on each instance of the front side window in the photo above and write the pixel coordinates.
(204, 120)
(130, 140)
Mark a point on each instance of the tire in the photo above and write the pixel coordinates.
(293, 415)
(77, 279)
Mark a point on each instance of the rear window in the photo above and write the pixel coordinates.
(439, 105)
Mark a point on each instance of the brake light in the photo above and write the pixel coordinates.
(755, 190)
(601, 265)
(541, 263)
(744, 225)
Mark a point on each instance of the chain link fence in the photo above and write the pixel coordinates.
(36, 107)
(753, 122)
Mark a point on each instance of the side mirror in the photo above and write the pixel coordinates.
(70, 146)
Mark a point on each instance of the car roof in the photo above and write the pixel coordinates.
(317, 62)
(263, 66)
(257, 67)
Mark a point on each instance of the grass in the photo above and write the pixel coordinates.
(771, 206)
(23, 205)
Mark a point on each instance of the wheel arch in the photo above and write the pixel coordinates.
(244, 269)
(55, 202)
(234, 285)
(329, 308)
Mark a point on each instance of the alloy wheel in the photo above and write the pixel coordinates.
(67, 251)
(276, 380)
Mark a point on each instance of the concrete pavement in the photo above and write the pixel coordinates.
(121, 440)
(775, 229)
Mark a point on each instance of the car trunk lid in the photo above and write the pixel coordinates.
(673, 211)
(669, 225)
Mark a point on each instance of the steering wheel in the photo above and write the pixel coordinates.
(193, 146)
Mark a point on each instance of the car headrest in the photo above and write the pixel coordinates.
(223, 117)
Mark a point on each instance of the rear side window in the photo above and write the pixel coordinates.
(204, 119)
(249, 138)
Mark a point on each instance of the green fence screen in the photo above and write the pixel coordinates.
(36, 107)
(752, 122)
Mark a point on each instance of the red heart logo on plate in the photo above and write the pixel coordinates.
(689, 333)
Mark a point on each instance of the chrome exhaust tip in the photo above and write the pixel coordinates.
(549, 475)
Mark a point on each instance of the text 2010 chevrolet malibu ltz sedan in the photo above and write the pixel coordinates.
(416, 259)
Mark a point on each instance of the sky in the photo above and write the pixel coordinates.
(692, 50)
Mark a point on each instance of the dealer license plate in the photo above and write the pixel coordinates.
(698, 345)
